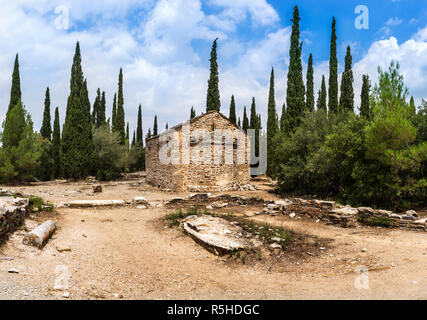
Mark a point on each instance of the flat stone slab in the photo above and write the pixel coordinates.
(95, 203)
(215, 234)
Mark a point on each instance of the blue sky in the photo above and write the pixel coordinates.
(163, 47)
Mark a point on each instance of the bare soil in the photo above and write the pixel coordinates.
(129, 253)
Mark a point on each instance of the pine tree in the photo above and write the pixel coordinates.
(120, 112)
(295, 98)
(272, 128)
(15, 91)
(232, 116)
(347, 92)
(46, 129)
(56, 146)
(213, 100)
(114, 113)
(155, 126)
(365, 109)
(310, 85)
(321, 101)
(333, 72)
(78, 149)
(193, 113)
(245, 124)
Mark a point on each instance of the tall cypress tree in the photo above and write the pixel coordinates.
(56, 146)
(78, 149)
(133, 140)
(365, 109)
(213, 100)
(46, 129)
(120, 115)
(127, 136)
(96, 107)
(139, 128)
(310, 85)
(15, 91)
(254, 115)
(333, 72)
(114, 113)
(283, 118)
(347, 92)
(155, 126)
(239, 123)
(272, 128)
(192, 113)
(245, 123)
(295, 98)
(101, 119)
(232, 116)
(321, 101)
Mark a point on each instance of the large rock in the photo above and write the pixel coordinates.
(12, 213)
(215, 234)
(95, 203)
(345, 217)
(140, 200)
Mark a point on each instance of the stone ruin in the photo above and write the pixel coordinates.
(13, 212)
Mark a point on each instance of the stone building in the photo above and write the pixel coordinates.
(206, 153)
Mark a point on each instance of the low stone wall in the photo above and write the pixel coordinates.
(13, 212)
(328, 212)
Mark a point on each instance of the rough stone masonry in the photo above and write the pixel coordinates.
(198, 177)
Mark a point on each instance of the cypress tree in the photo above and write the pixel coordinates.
(310, 85)
(321, 101)
(78, 149)
(100, 119)
(412, 107)
(333, 72)
(254, 115)
(15, 91)
(56, 146)
(232, 116)
(139, 128)
(167, 126)
(239, 123)
(193, 113)
(347, 92)
(155, 126)
(149, 133)
(127, 136)
(295, 98)
(272, 127)
(283, 118)
(46, 129)
(96, 107)
(365, 109)
(245, 124)
(114, 113)
(120, 115)
(213, 100)
(133, 140)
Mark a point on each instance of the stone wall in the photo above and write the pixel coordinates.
(13, 212)
(201, 176)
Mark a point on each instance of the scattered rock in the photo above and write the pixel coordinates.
(411, 213)
(141, 207)
(66, 295)
(209, 207)
(13, 270)
(292, 215)
(63, 248)
(275, 245)
(364, 250)
(272, 206)
(140, 200)
(219, 205)
(97, 188)
(62, 278)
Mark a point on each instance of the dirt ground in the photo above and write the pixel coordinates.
(128, 253)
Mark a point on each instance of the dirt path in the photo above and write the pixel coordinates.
(127, 252)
